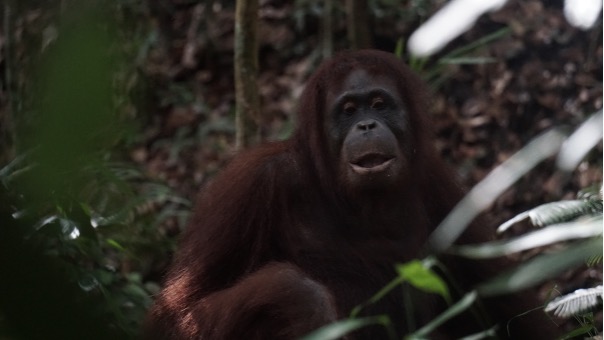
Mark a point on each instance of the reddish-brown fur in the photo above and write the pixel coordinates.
(278, 246)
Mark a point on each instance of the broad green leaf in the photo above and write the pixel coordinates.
(423, 278)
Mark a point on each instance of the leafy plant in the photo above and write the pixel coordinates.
(581, 300)
(562, 221)
(76, 230)
(415, 273)
(437, 73)
(558, 212)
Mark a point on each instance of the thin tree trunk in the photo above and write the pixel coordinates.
(7, 128)
(327, 31)
(246, 72)
(357, 24)
(189, 53)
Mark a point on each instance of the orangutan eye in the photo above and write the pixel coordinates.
(378, 103)
(349, 108)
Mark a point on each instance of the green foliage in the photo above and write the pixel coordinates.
(585, 329)
(422, 278)
(589, 204)
(462, 305)
(541, 268)
(491, 187)
(563, 221)
(339, 329)
(438, 72)
(576, 302)
(95, 230)
(416, 273)
(74, 221)
(585, 228)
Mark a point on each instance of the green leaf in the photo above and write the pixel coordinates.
(377, 297)
(451, 312)
(490, 333)
(400, 46)
(586, 137)
(555, 212)
(114, 244)
(576, 332)
(579, 301)
(549, 235)
(339, 329)
(134, 290)
(541, 268)
(467, 60)
(483, 41)
(492, 186)
(423, 278)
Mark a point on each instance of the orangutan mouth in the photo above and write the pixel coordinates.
(371, 163)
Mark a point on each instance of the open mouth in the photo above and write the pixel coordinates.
(371, 163)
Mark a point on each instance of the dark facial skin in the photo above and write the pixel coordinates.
(367, 129)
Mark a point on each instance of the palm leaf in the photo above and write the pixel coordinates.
(556, 212)
(576, 302)
(585, 228)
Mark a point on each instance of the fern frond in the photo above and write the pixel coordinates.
(593, 261)
(505, 226)
(561, 211)
(576, 302)
(582, 229)
(593, 192)
(555, 212)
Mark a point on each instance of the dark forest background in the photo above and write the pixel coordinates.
(114, 116)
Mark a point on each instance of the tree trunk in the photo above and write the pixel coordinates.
(246, 72)
(7, 128)
(327, 31)
(357, 24)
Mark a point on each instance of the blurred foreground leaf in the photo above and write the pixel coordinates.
(541, 268)
(72, 104)
(339, 329)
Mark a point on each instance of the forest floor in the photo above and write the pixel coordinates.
(544, 73)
